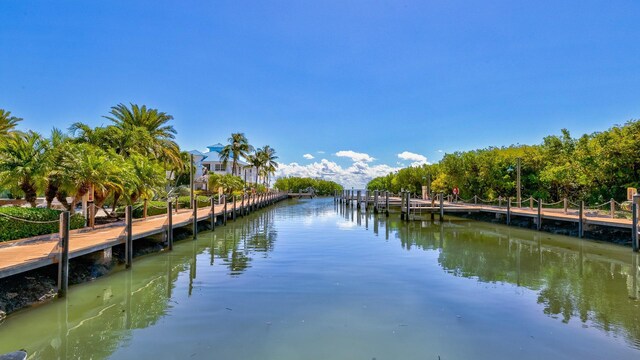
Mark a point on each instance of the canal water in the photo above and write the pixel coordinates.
(307, 279)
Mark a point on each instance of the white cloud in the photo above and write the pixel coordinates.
(307, 156)
(355, 156)
(440, 151)
(320, 152)
(357, 175)
(416, 159)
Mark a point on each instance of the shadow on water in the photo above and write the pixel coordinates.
(98, 317)
(594, 283)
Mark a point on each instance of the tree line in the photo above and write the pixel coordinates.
(298, 184)
(134, 158)
(593, 167)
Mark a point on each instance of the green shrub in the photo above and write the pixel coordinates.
(185, 201)
(12, 229)
(153, 208)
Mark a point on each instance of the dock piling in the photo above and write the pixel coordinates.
(386, 205)
(128, 246)
(224, 217)
(580, 220)
(63, 265)
(441, 206)
(233, 198)
(195, 218)
(213, 214)
(375, 201)
(634, 223)
(508, 211)
(539, 219)
(170, 224)
(612, 205)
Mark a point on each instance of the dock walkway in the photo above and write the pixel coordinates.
(609, 214)
(22, 255)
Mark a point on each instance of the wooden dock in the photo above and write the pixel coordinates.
(418, 209)
(22, 255)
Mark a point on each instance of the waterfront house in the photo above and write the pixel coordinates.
(210, 161)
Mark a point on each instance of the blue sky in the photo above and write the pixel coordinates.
(365, 79)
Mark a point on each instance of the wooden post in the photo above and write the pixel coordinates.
(375, 201)
(386, 204)
(407, 212)
(530, 202)
(213, 214)
(566, 205)
(358, 201)
(195, 218)
(191, 178)
(635, 243)
(441, 206)
(225, 210)
(580, 219)
(539, 222)
(128, 246)
(233, 198)
(63, 264)
(518, 183)
(508, 211)
(170, 224)
(475, 199)
(366, 200)
(612, 205)
(242, 209)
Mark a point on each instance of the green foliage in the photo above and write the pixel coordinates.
(185, 201)
(297, 184)
(260, 189)
(11, 229)
(7, 123)
(238, 147)
(229, 183)
(23, 164)
(593, 168)
(153, 208)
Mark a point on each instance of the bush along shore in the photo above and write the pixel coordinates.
(19, 223)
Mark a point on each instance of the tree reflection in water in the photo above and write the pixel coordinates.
(98, 317)
(597, 284)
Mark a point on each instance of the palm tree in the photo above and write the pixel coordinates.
(7, 122)
(57, 150)
(22, 163)
(87, 167)
(255, 161)
(238, 147)
(149, 177)
(268, 158)
(149, 130)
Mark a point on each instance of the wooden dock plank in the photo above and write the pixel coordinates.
(27, 254)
